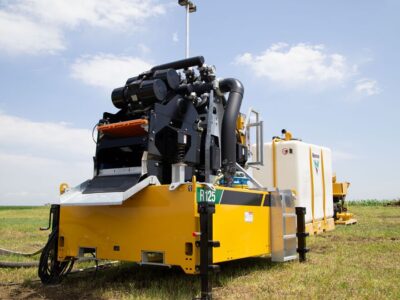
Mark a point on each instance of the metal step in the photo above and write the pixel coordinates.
(291, 215)
(291, 257)
(289, 236)
(283, 237)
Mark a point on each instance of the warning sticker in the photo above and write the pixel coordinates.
(248, 217)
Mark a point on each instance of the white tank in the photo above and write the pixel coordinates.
(302, 167)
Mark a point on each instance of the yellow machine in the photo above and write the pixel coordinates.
(342, 216)
(170, 184)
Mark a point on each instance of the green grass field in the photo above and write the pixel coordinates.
(355, 262)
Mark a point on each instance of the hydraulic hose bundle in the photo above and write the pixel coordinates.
(50, 269)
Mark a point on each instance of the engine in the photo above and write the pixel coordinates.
(174, 122)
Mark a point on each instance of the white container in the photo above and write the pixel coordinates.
(302, 167)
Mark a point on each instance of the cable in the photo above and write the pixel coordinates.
(10, 252)
(96, 262)
(88, 269)
(13, 283)
(95, 268)
(10, 264)
(94, 127)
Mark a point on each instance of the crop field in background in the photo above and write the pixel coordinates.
(355, 262)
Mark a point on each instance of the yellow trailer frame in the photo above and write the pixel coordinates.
(161, 227)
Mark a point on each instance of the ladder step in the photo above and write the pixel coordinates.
(289, 236)
(289, 215)
(291, 257)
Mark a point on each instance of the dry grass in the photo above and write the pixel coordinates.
(355, 262)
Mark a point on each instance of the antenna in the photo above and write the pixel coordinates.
(190, 7)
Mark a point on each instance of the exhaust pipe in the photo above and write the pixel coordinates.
(228, 130)
(181, 64)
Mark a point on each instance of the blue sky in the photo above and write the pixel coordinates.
(326, 70)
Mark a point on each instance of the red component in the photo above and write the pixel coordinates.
(125, 129)
(195, 233)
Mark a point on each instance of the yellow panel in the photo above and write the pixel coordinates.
(160, 220)
(239, 238)
(320, 226)
(340, 188)
(240, 122)
(240, 126)
(156, 219)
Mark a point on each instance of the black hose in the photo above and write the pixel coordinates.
(10, 264)
(228, 130)
(10, 252)
(51, 271)
(198, 88)
(30, 264)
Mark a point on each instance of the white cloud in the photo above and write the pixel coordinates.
(298, 65)
(107, 71)
(367, 87)
(102, 13)
(38, 26)
(35, 157)
(175, 37)
(19, 35)
(44, 139)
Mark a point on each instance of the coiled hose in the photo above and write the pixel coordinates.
(50, 270)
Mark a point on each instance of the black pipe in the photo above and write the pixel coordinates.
(181, 64)
(228, 130)
(301, 233)
(198, 88)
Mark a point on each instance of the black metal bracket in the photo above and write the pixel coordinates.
(206, 244)
(49, 225)
(54, 214)
(55, 211)
(301, 233)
